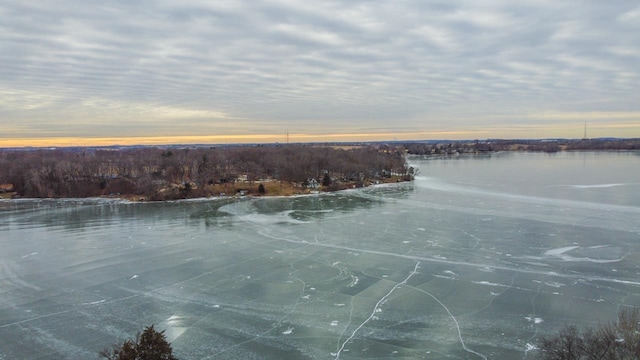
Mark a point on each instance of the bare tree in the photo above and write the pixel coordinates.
(612, 341)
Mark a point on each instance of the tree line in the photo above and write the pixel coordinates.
(549, 146)
(168, 173)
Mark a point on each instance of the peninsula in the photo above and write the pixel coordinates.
(151, 173)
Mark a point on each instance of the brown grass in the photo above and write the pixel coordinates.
(272, 188)
(6, 195)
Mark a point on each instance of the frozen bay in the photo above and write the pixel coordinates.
(477, 258)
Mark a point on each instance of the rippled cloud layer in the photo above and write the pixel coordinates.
(394, 69)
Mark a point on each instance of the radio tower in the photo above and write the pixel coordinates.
(585, 131)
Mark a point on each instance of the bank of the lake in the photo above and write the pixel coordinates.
(170, 174)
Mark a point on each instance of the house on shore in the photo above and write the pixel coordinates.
(312, 184)
(4, 188)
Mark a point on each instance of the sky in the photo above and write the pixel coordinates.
(216, 71)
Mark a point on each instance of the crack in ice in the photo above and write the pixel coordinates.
(280, 321)
(450, 262)
(375, 309)
(530, 347)
(346, 326)
(455, 321)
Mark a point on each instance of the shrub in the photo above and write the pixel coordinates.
(612, 341)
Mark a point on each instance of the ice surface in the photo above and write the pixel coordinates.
(468, 262)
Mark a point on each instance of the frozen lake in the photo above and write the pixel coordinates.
(476, 259)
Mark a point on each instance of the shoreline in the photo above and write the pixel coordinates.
(134, 198)
(158, 174)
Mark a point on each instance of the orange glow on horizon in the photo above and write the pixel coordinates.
(225, 139)
(529, 131)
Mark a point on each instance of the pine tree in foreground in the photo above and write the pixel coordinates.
(148, 345)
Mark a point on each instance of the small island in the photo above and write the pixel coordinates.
(174, 172)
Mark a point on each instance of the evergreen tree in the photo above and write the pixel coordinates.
(149, 345)
(326, 180)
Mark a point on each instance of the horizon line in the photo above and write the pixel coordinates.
(345, 142)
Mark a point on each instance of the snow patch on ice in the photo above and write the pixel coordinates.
(564, 253)
(95, 302)
(535, 320)
(597, 186)
(489, 283)
(529, 347)
(559, 251)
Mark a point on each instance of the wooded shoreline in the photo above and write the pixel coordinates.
(156, 174)
(173, 172)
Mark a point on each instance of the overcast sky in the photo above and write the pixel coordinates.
(227, 71)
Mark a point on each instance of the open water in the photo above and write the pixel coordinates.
(475, 259)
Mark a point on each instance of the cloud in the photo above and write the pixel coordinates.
(630, 18)
(123, 68)
(592, 115)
